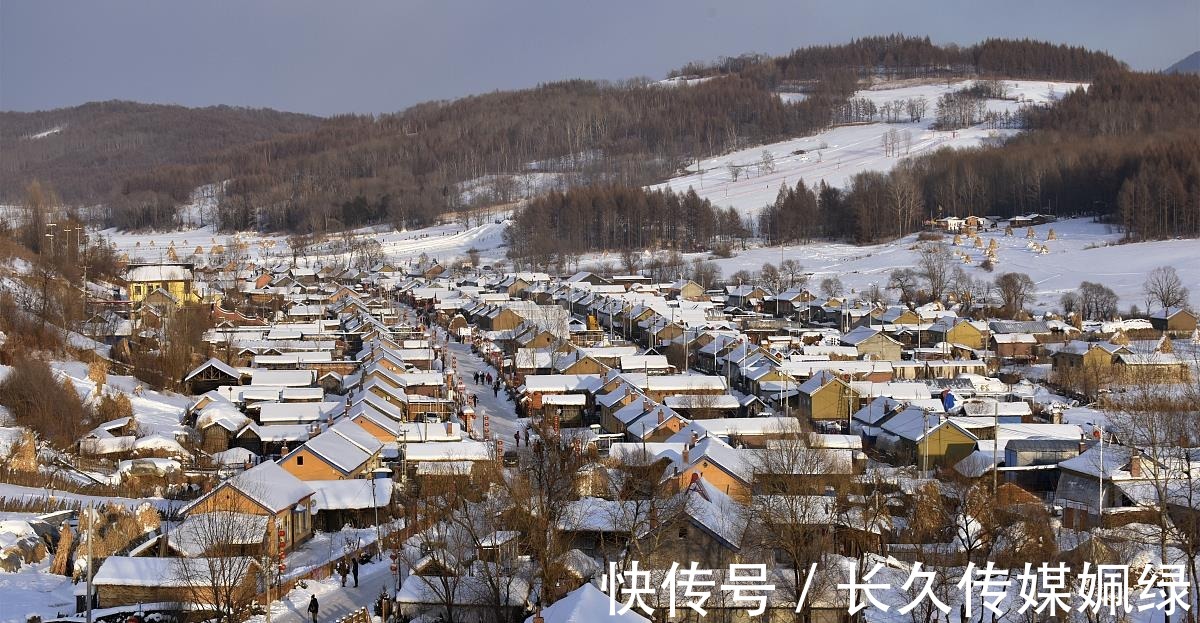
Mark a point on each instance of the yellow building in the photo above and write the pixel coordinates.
(174, 279)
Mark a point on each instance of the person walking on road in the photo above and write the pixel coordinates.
(312, 608)
(517, 438)
(496, 388)
(354, 570)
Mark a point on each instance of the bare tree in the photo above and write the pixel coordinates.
(1164, 287)
(794, 272)
(767, 162)
(770, 274)
(904, 281)
(705, 273)
(831, 287)
(935, 264)
(219, 576)
(1015, 290)
(1097, 301)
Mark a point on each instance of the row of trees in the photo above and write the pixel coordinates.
(901, 56)
(616, 218)
(1126, 149)
(296, 173)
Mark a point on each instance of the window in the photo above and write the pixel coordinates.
(299, 459)
(683, 532)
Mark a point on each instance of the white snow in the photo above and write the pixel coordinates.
(55, 130)
(836, 155)
(1083, 250)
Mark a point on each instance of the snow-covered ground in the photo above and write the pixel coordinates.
(1083, 251)
(836, 155)
(34, 591)
(444, 242)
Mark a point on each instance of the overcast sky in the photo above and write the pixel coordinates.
(367, 56)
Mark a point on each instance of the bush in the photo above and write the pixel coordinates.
(42, 403)
(723, 250)
(930, 236)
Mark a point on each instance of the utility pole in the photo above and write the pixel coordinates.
(995, 448)
(91, 520)
(1100, 507)
(378, 534)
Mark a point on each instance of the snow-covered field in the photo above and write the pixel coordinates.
(1083, 250)
(836, 155)
(443, 242)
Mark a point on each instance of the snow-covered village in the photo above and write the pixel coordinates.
(882, 329)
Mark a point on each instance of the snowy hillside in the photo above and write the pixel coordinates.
(836, 155)
(444, 242)
(1082, 250)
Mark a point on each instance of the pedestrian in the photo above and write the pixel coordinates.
(312, 608)
(526, 436)
(489, 377)
(496, 388)
(354, 570)
(343, 570)
(517, 438)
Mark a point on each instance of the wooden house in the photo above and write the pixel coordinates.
(265, 490)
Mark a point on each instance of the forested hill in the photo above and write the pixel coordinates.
(87, 153)
(297, 173)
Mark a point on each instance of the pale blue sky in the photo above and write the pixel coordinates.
(381, 56)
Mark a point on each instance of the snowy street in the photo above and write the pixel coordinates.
(501, 411)
(334, 600)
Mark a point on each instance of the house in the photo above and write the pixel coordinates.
(129, 580)
(709, 530)
(176, 279)
(956, 331)
(586, 603)
(353, 502)
(344, 451)
(264, 490)
(872, 343)
(1174, 320)
(925, 439)
(1102, 479)
(827, 397)
(1015, 347)
(1076, 354)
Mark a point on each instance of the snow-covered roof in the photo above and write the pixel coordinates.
(586, 604)
(284, 378)
(448, 451)
(158, 272)
(354, 494)
(216, 364)
(269, 485)
(177, 572)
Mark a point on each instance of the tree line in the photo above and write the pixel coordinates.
(1127, 149)
(901, 56)
(561, 225)
(300, 174)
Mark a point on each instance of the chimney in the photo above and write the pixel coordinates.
(1135, 463)
(449, 428)
(687, 460)
(538, 618)
(1082, 446)
(695, 438)
(645, 404)
(660, 416)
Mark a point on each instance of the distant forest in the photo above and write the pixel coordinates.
(300, 174)
(1127, 149)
